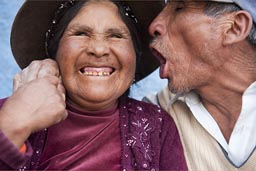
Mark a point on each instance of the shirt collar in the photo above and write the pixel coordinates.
(244, 128)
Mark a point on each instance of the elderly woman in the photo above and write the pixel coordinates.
(95, 44)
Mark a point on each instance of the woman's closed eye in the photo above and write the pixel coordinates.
(82, 33)
(116, 35)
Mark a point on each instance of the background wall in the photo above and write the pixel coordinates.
(8, 66)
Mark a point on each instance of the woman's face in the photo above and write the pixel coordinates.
(96, 56)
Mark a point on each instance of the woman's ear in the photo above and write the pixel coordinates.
(239, 29)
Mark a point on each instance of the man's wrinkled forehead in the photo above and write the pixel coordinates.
(247, 5)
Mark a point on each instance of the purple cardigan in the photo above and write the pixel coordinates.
(149, 141)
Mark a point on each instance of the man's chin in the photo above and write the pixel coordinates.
(177, 90)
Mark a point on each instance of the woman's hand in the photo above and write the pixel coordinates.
(38, 101)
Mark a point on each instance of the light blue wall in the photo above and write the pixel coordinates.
(148, 85)
(8, 66)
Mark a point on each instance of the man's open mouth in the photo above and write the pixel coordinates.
(159, 56)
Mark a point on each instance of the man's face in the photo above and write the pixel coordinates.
(186, 42)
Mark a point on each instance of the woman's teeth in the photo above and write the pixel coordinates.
(95, 73)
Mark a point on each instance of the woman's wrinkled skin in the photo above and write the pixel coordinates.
(96, 57)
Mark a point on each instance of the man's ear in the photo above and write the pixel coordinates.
(239, 29)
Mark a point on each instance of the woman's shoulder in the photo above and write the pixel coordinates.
(143, 106)
(145, 109)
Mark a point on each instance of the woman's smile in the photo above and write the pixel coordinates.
(95, 56)
(97, 71)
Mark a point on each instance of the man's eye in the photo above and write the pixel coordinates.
(179, 6)
(177, 9)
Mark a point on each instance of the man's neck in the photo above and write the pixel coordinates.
(224, 102)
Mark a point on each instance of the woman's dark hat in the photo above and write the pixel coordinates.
(35, 17)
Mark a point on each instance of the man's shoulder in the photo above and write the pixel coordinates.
(163, 98)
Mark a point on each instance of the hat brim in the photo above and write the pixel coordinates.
(34, 19)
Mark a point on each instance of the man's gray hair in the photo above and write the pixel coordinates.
(215, 9)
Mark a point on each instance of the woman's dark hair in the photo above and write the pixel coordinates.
(127, 17)
(61, 20)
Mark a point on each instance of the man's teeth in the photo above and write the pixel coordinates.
(95, 73)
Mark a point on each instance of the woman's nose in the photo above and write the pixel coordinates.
(98, 48)
(157, 27)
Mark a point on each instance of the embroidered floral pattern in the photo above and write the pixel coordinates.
(139, 137)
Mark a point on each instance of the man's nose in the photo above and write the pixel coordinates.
(157, 27)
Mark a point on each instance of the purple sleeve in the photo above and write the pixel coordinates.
(172, 154)
(10, 156)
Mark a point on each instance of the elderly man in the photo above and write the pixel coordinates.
(207, 52)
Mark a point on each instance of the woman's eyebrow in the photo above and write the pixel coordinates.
(117, 30)
(78, 26)
(81, 27)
